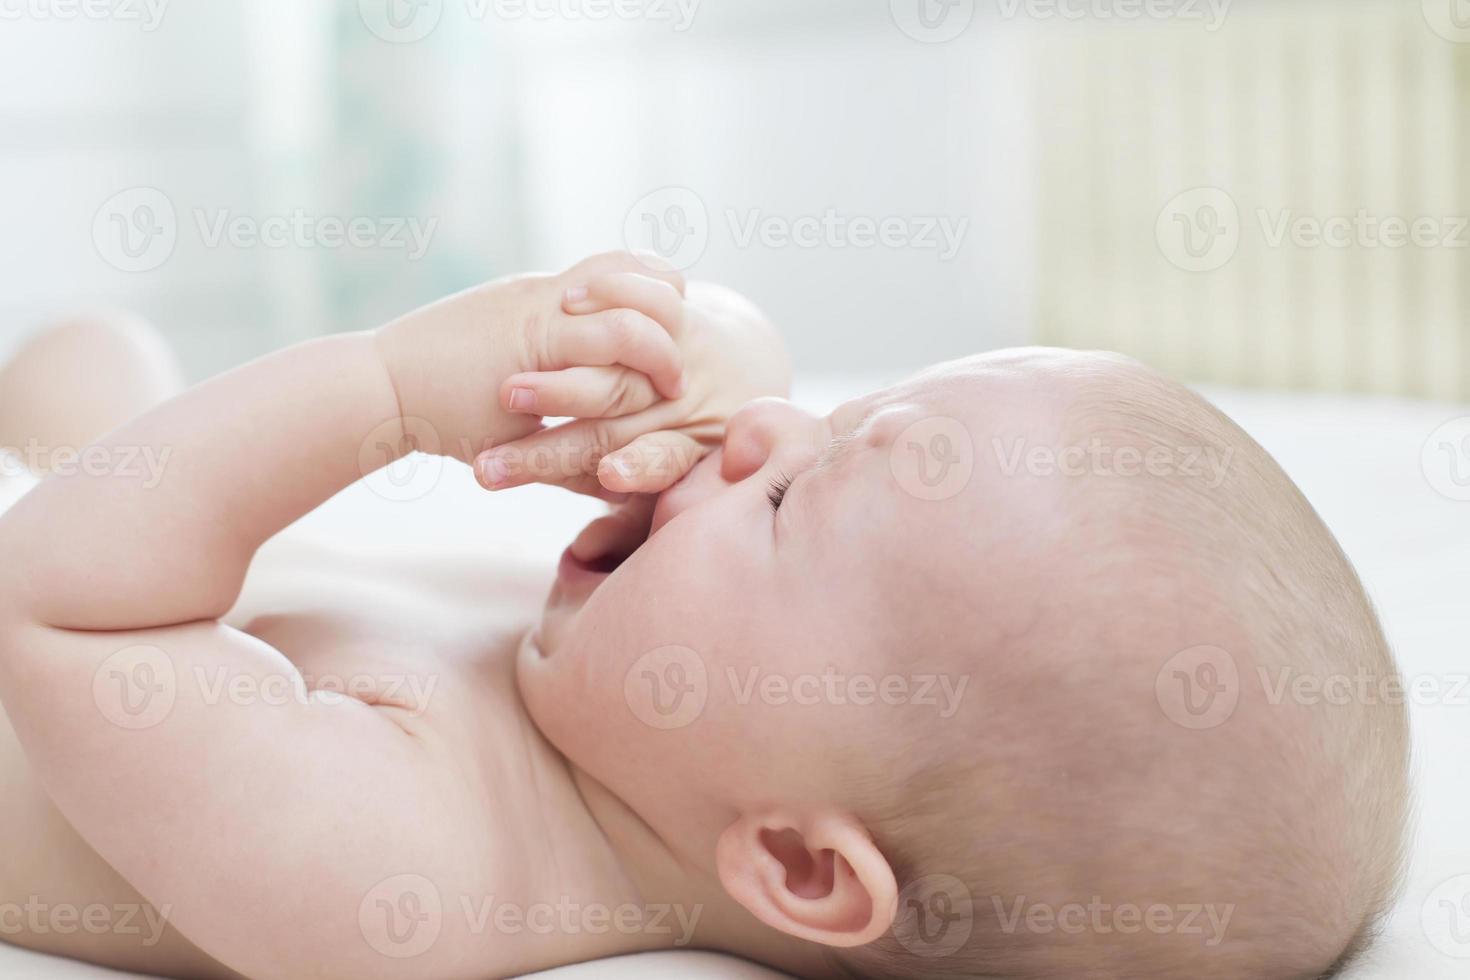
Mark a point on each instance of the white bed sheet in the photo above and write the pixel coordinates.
(1359, 460)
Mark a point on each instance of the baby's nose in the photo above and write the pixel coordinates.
(765, 428)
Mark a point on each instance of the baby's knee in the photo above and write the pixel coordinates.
(116, 340)
(81, 376)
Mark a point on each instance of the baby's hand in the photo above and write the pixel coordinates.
(446, 362)
(634, 440)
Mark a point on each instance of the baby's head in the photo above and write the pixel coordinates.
(1038, 671)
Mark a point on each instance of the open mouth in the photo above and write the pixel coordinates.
(606, 543)
(600, 550)
(599, 567)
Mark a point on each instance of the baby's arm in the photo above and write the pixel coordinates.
(261, 826)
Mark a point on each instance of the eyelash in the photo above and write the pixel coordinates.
(777, 491)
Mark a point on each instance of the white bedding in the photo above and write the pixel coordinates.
(1360, 463)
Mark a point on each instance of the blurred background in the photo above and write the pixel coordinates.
(1253, 193)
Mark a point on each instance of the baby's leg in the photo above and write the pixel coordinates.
(78, 380)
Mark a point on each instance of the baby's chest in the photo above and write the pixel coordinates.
(435, 640)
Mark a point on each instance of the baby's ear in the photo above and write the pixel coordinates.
(815, 876)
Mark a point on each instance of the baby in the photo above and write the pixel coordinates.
(1006, 671)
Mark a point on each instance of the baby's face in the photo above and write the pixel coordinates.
(739, 651)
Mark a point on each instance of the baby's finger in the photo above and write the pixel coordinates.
(645, 263)
(590, 486)
(651, 463)
(624, 337)
(654, 298)
(579, 392)
(565, 456)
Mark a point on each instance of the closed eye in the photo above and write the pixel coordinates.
(776, 492)
(834, 451)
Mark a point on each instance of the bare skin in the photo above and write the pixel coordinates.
(65, 387)
(430, 771)
(413, 623)
(377, 626)
(498, 793)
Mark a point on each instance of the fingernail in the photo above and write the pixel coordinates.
(576, 294)
(682, 387)
(624, 466)
(522, 399)
(493, 471)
